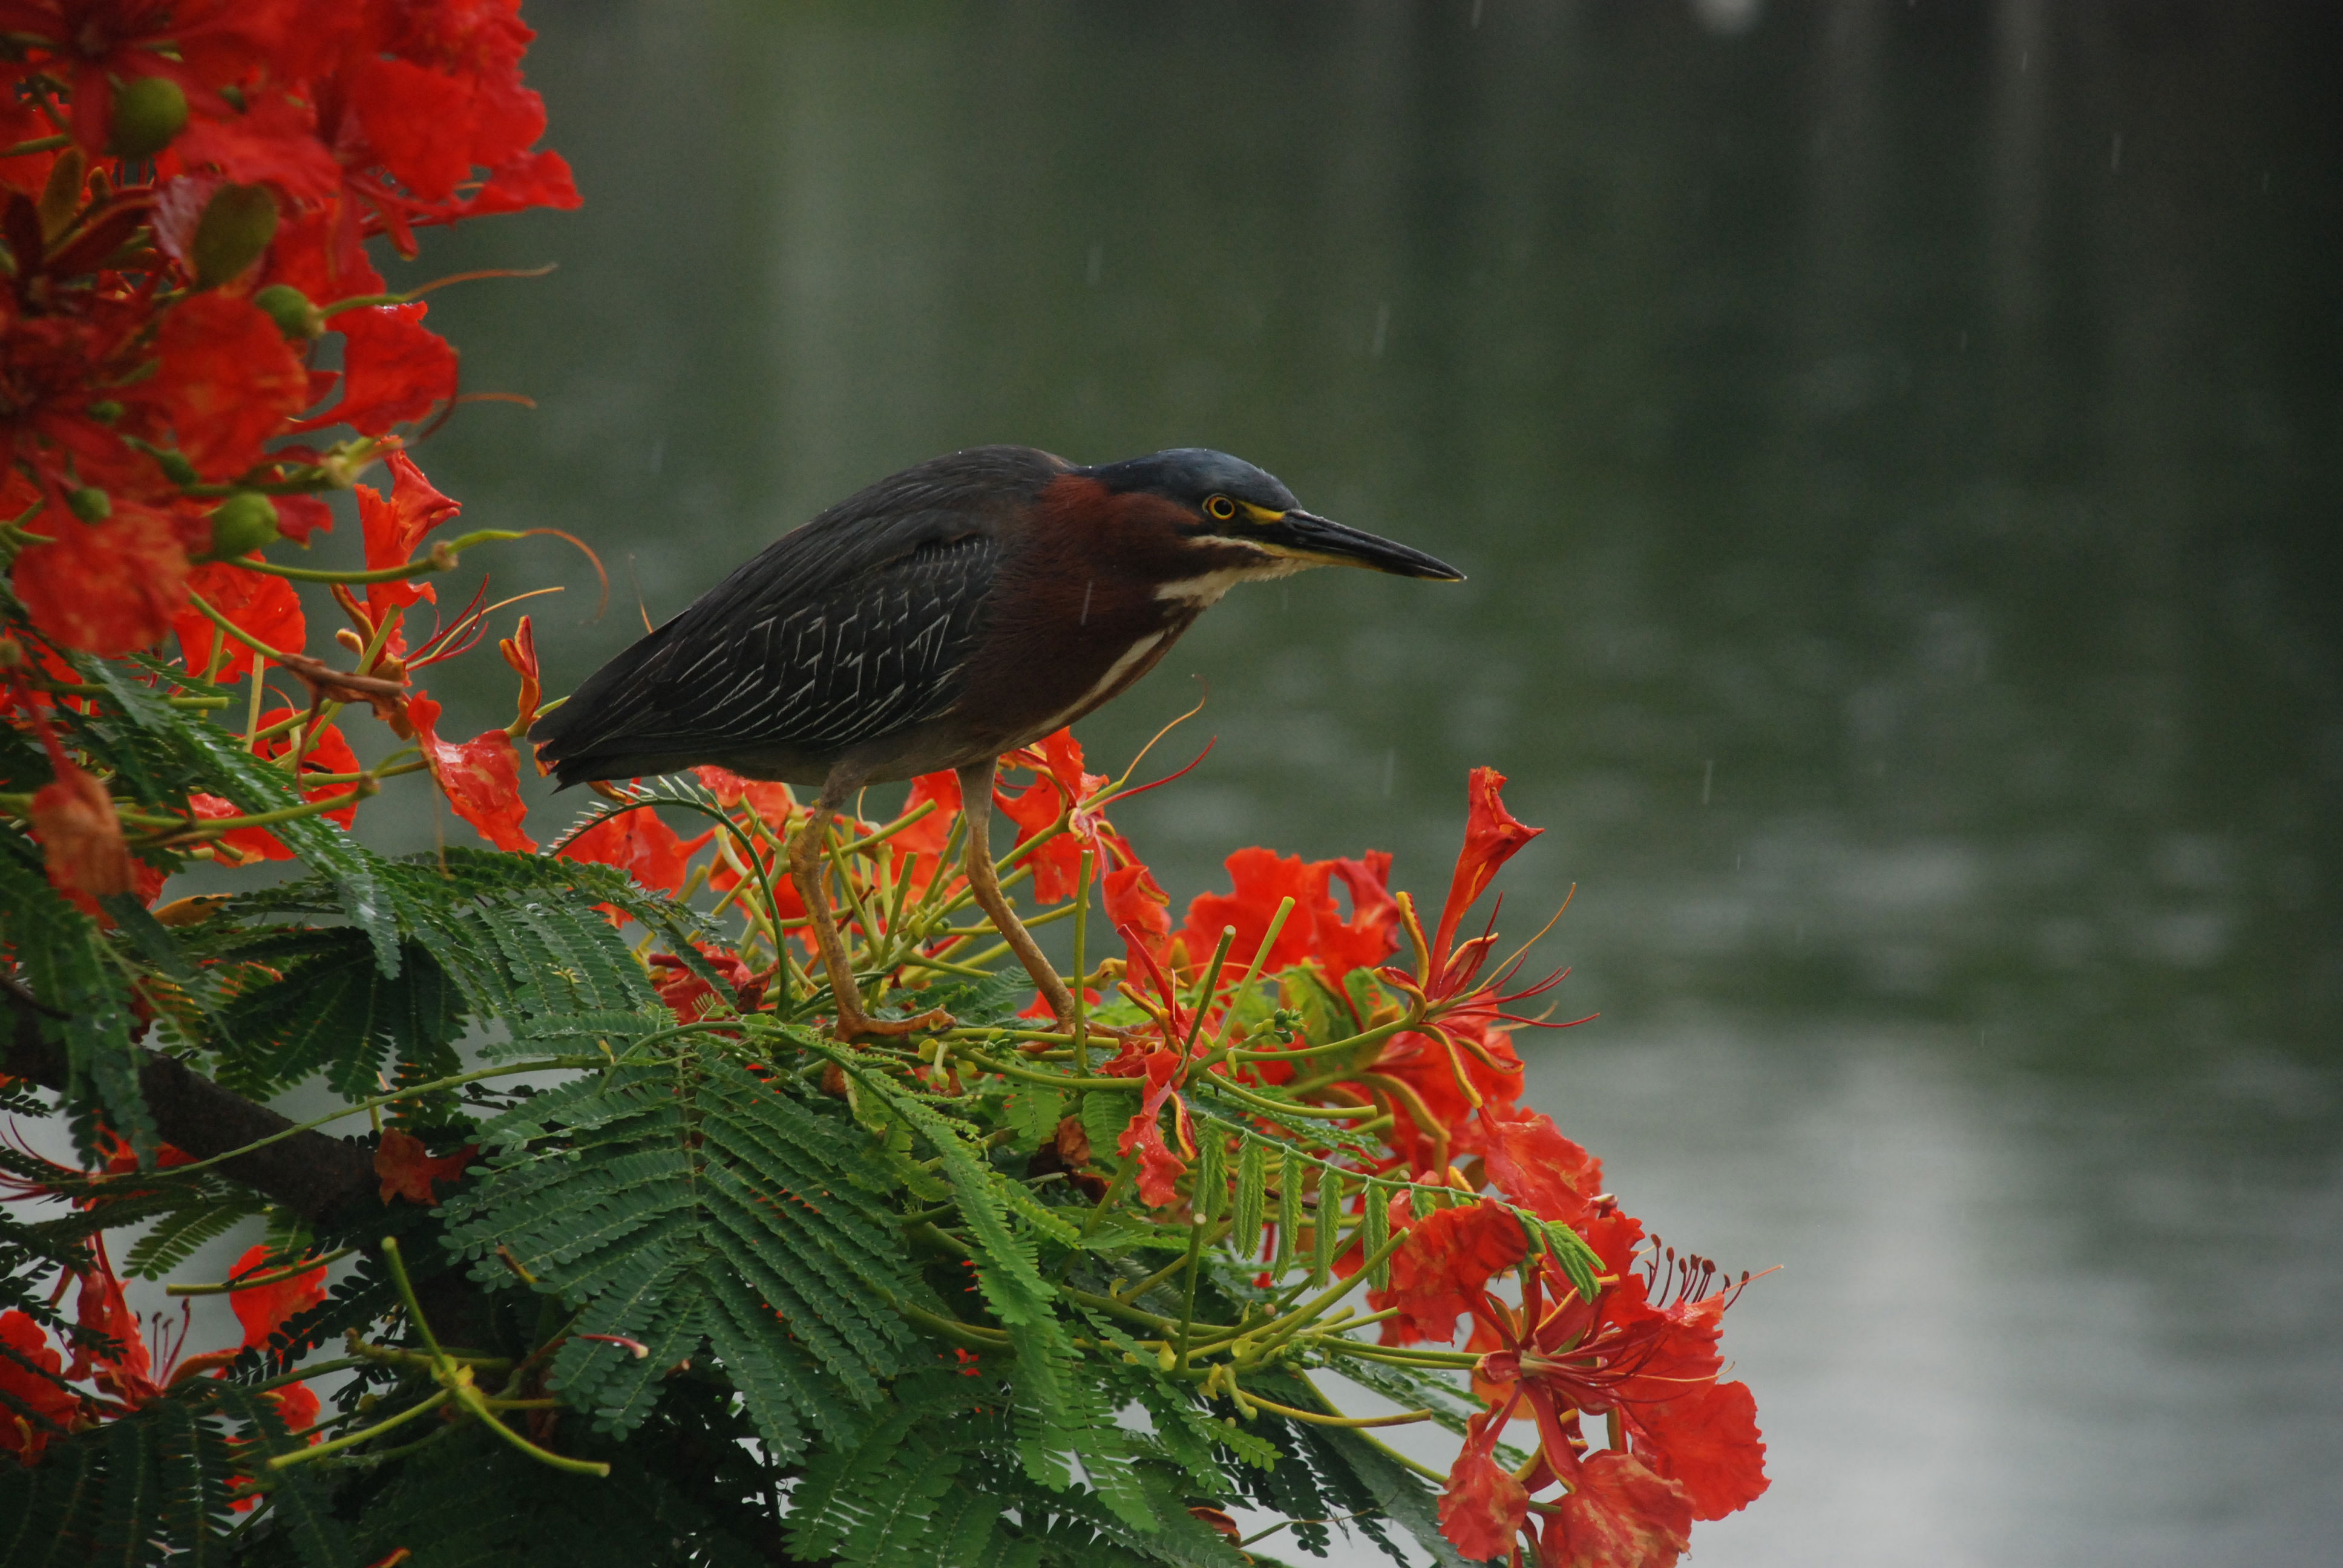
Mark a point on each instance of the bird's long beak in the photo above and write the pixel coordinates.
(1302, 535)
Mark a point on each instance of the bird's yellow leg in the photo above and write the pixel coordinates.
(809, 868)
(976, 806)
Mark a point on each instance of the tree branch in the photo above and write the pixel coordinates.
(310, 1173)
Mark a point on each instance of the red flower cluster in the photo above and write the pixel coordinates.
(185, 211)
(186, 192)
(1641, 1353)
(128, 1364)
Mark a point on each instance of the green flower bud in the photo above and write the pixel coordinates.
(237, 223)
(106, 411)
(291, 310)
(242, 524)
(176, 467)
(90, 504)
(147, 113)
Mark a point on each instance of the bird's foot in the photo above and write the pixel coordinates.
(1095, 1033)
(856, 1024)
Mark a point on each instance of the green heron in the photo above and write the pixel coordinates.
(962, 608)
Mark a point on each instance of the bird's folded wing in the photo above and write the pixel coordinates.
(863, 656)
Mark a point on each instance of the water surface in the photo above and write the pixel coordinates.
(1895, 449)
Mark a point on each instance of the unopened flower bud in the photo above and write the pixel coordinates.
(176, 467)
(106, 411)
(291, 310)
(1165, 1360)
(80, 835)
(237, 223)
(12, 653)
(147, 113)
(90, 504)
(242, 524)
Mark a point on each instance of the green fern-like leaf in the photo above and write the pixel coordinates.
(673, 1205)
(69, 967)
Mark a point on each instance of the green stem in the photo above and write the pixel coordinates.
(363, 1106)
(1080, 1023)
(352, 1440)
(439, 558)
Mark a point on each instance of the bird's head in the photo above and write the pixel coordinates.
(1248, 524)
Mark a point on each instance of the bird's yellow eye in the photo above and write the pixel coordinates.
(1219, 508)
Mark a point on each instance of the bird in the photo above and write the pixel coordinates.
(936, 619)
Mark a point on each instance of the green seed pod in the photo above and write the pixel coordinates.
(147, 113)
(242, 524)
(237, 223)
(90, 504)
(291, 310)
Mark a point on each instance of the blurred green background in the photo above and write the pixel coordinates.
(1894, 451)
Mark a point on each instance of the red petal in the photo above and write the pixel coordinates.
(104, 588)
(395, 529)
(80, 835)
(1491, 838)
(408, 1170)
(395, 368)
(1620, 1517)
(1138, 909)
(27, 1339)
(265, 1309)
(419, 122)
(480, 778)
(1482, 1507)
(637, 843)
(299, 516)
(266, 606)
(1534, 1165)
(275, 140)
(1438, 1273)
(228, 381)
(1260, 879)
(1159, 1169)
(1709, 1443)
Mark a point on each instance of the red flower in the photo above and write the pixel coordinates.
(408, 1169)
(771, 803)
(1618, 1515)
(1643, 1353)
(1261, 878)
(265, 606)
(25, 1355)
(327, 753)
(264, 1309)
(1491, 838)
(81, 836)
(107, 588)
(1159, 1169)
(1139, 909)
(199, 45)
(228, 381)
(395, 529)
(692, 999)
(637, 843)
(1534, 1165)
(394, 370)
(1482, 1506)
(1441, 1267)
(480, 776)
(1060, 789)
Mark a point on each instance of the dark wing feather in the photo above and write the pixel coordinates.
(854, 625)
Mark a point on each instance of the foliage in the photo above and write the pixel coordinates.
(645, 1263)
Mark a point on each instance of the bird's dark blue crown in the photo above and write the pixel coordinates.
(1190, 474)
